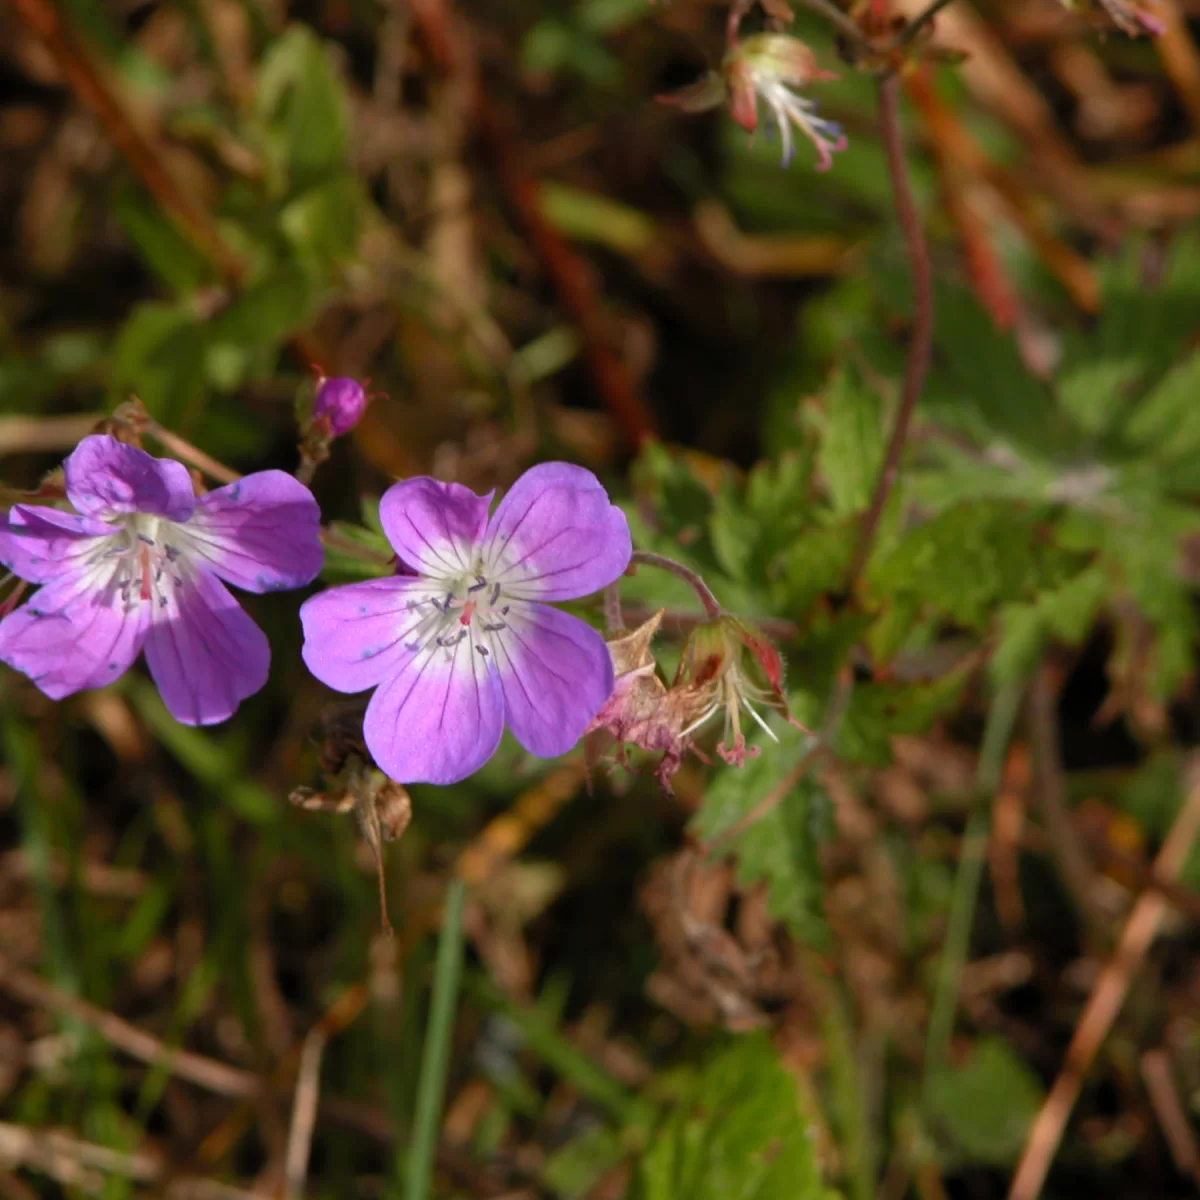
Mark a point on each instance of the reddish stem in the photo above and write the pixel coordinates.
(921, 342)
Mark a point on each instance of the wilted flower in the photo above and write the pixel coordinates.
(467, 643)
(139, 565)
(767, 67)
(727, 664)
(640, 712)
(338, 405)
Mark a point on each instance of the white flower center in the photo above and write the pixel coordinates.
(470, 607)
(141, 560)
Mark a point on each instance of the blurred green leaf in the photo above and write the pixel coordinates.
(780, 847)
(739, 1135)
(983, 1107)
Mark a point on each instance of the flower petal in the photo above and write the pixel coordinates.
(438, 719)
(556, 535)
(262, 533)
(205, 654)
(435, 527)
(556, 673)
(105, 477)
(354, 635)
(72, 635)
(42, 544)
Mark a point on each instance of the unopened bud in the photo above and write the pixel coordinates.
(338, 404)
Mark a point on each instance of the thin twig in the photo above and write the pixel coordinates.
(921, 342)
(184, 450)
(304, 1115)
(922, 19)
(1105, 1002)
(74, 1163)
(835, 16)
(1171, 1114)
(32, 435)
(139, 149)
(647, 558)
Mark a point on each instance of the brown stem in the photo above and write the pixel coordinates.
(647, 558)
(614, 616)
(922, 327)
(922, 19)
(138, 148)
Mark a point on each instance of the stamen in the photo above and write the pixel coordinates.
(143, 538)
(446, 640)
(479, 584)
(171, 552)
(482, 650)
(495, 594)
(494, 627)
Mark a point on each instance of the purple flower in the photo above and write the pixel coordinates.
(339, 404)
(467, 643)
(139, 565)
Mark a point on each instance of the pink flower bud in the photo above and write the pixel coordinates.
(339, 404)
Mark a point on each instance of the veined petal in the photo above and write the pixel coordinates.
(556, 673)
(40, 544)
(556, 535)
(72, 635)
(205, 654)
(106, 478)
(438, 719)
(262, 533)
(435, 527)
(355, 635)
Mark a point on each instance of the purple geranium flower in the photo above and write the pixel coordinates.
(139, 565)
(468, 643)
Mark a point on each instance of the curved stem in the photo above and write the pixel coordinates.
(922, 326)
(647, 558)
(836, 17)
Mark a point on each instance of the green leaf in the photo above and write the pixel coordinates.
(780, 848)
(1065, 612)
(171, 256)
(323, 223)
(159, 356)
(877, 712)
(739, 1135)
(301, 104)
(982, 1108)
(852, 446)
(971, 558)
(1167, 422)
(1140, 332)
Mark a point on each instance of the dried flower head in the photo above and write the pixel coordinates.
(729, 665)
(768, 67)
(139, 564)
(467, 643)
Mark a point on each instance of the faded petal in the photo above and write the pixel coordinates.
(105, 478)
(70, 635)
(262, 533)
(40, 544)
(354, 635)
(556, 535)
(435, 527)
(556, 673)
(205, 654)
(438, 719)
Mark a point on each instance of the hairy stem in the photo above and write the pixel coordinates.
(922, 326)
(646, 558)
